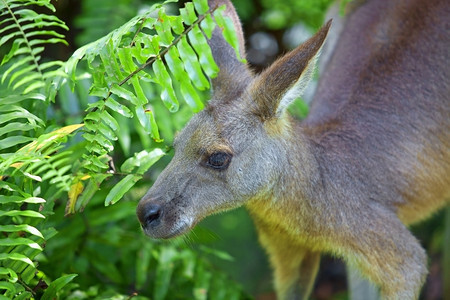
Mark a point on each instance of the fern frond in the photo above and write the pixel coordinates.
(24, 35)
(169, 52)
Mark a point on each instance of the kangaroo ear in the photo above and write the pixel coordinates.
(233, 74)
(286, 79)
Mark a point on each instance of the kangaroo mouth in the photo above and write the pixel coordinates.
(165, 232)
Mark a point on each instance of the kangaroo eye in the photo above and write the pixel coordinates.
(219, 160)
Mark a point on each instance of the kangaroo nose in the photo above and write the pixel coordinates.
(149, 214)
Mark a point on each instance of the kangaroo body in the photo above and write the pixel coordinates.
(372, 156)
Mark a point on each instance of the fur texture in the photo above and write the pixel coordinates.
(372, 157)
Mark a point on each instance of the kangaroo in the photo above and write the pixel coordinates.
(372, 157)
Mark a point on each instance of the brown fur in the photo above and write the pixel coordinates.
(372, 156)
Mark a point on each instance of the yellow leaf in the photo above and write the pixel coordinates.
(85, 177)
(17, 165)
(75, 190)
(49, 137)
(33, 146)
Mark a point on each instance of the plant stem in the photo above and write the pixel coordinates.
(163, 52)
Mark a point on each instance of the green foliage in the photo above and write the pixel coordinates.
(26, 33)
(113, 258)
(119, 65)
(98, 17)
(285, 13)
(26, 92)
(277, 15)
(55, 156)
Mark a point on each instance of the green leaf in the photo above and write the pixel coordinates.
(35, 200)
(117, 107)
(23, 213)
(118, 34)
(203, 50)
(49, 175)
(142, 264)
(10, 187)
(164, 272)
(16, 126)
(18, 199)
(143, 160)
(22, 227)
(19, 113)
(93, 115)
(189, 262)
(208, 25)
(174, 63)
(106, 131)
(201, 282)
(176, 22)
(163, 28)
(56, 285)
(71, 64)
(139, 92)
(19, 241)
(143, 118)
(16, 257)
(7, 286)
(219, 254)
(153, 44)
(10, 199)
(28, 273)
(140, 54)
(51, 64)
(109, 61)
(121, 188)
(192, 65)
(146, 160)
(23, 296)
(16, 67)
(154, 126)
(22, 71)
(36, 42)
(89, 191)
(101, 92)
(34, 86)
(126, 94)
(94, 147)
(219, 286)
(167, 94)
(109, 120)
(126, 59)
(101, 140)
(13, 141)
(228, 32)
(26, 79)
(201, 6)
(7, 27)
(149, 22)
(188, 13)
(12, 275)
(188, 92)
(8, 37)
(190, 95)
(13, 51)
(94, 164)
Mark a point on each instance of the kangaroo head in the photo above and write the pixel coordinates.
(232, 151)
